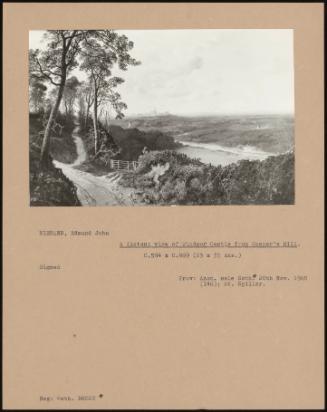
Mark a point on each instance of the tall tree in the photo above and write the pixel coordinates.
(85, 102)
(37, 92)
(99, 55)
(110, 100)
(70, 94)
(53, 64)
(99, 50)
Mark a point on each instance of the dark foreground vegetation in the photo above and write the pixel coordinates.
(50, 187)
(190, 182)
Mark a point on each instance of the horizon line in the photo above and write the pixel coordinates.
(210, 114)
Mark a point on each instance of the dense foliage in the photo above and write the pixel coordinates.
(94, 51)
(188, 181)
(51, 187)
(124, 144)
(133, 141)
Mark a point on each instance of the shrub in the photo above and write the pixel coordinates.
(188, 181)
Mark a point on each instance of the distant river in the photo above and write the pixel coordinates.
(220, 155)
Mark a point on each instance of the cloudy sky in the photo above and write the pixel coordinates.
(208, 71)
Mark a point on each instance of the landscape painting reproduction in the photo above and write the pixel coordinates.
(161, 117)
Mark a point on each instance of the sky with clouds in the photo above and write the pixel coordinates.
(208, 71)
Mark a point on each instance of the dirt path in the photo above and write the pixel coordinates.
(95, 190)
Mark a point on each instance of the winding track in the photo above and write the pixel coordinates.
(94, 190)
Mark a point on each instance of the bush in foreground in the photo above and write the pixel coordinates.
(190, 182)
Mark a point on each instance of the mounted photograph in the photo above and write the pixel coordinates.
(161, 117)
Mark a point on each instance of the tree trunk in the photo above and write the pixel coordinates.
(53, 114)
(87, 115)
(44, 159)
(107, 121)
(95, 118)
